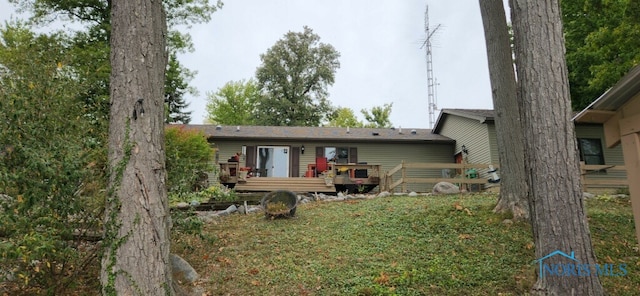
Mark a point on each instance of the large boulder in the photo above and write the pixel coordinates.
(445, 188)
(182, 270)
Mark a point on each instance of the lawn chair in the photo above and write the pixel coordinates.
(321, 165)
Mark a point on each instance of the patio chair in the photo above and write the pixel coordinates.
(321, 165)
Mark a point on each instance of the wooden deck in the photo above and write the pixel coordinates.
(343, 177)
(292, 184)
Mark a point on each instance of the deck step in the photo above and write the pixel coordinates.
(292, 184)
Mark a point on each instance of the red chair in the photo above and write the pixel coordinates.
(321, 165)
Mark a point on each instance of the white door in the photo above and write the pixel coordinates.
(273, 161)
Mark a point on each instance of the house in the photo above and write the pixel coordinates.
(618, 110)
(474, 131)
(291, 152)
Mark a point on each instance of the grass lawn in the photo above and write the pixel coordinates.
(426, 245)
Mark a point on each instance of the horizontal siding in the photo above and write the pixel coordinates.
(472, 134)
(387, 155)
(479, 139)
(612, 156)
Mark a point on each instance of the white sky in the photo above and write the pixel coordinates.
(379, 42)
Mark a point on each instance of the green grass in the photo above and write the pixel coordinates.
(437, 245)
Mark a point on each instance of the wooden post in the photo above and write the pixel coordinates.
(631, 151)
(583, 177)
(464, 174)
(404, 178)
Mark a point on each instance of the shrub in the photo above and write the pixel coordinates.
(45, 161)
(188, 159)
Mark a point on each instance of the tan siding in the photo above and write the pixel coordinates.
(477, 137)
(387, 155)
(391, 155)
(472, 134)
(612, 156)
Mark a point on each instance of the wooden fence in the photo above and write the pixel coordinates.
(589, 175)
(388, 183)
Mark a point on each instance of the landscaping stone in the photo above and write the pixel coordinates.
(182, 205)
(413, 194)
(587, 195)
(182, 270)
(230, 210)
(384, 194)
(445, 188)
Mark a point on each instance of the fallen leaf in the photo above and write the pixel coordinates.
(255, 283)
(253, 271)
(383, 279)
(457, 206)
(608, 259)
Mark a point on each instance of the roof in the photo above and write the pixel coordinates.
(612, 99)
(297, 133)
(482, 115)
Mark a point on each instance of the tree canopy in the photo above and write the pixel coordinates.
(344, 117)
(378, 116)
(294, 77)
(94, 15)
(233, 103)
(602, 43)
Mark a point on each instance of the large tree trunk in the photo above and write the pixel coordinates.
(137, 224)
(513, 187)
(558, 215)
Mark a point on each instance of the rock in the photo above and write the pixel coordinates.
(242, 210)
(182, 270)
(254, 209)
(413, 194)
(340, 194)
(231, 209)
(384, 194)
(445, 188)
(182, 205)
(622, 196)
(587, 195)
(194, 203)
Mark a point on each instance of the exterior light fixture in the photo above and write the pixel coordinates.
(465, 150)
(302, 149)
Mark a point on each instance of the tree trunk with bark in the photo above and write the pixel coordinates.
(558, 215)
(513, 184)
(137, 224)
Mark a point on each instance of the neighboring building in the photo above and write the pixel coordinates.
(618, 110)
(475, 130)
(282, 151)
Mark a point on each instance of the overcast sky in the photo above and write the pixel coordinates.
(380, 45)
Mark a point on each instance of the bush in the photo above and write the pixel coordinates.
(215, 192)
(188, 159)
(45, 164)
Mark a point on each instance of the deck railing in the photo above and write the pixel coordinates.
(592, 175)
(589, 175)
(388, 183)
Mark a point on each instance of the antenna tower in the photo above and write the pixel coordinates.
(430, 80)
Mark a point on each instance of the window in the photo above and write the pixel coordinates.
(340, 154)
(591, 151)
